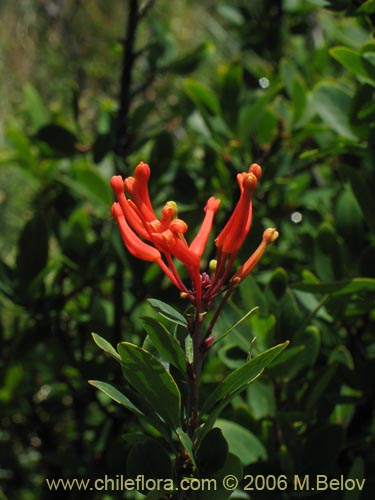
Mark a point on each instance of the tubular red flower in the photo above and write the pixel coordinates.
(269, 236)
(139, 191)
(235, 231)
(168, 243)
(162, 239)
(128, 208)
(200, 241)
(133, 243)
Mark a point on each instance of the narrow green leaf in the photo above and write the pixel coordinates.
(239, 379)
(116, 395)
(106, 346)
(187, 444)
(152, 381)
(351, 60)
(168, 312)
(205, 100)
(249, 313)
(367, 7)
(165, 343)
(356, 285)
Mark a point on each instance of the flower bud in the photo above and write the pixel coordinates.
(117, 184)
(208, 343)
(256, 170)
(270, 235)
(212, 266)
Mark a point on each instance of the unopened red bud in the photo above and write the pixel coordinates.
(142, 171)
(256, 170)
(208, 342)
(117, 184)
(250, 182)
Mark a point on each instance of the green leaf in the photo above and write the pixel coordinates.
(363, 187)
(333, 104)
(251, 115)
(230, 92)
(212, 453)
(249, 313)
(205, 100)
(59, 139)
(309, 340)
(242, 442)
(152, 381)
(367, 7)
(187, 444)
(279, 367)
(38, 112)
(106, 346)
(356, 285)
(168, 312)
(232, 467)
(351, 60)
(165, 343)
(150, 460)
(116, 395)
(240, 378)
(89, 183)
(357, 470)
(261, 399)
(189, 61)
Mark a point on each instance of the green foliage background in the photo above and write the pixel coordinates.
(214, 86)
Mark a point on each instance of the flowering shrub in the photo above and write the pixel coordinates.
(197, 89)
(173, 401)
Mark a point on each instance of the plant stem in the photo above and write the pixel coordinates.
(121, 142)
(194, 374)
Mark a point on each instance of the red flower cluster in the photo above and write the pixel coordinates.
(159, 240)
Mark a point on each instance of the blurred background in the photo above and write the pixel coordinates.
(199, 90)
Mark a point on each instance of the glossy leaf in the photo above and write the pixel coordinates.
(368, 7)
(116, 395)
(231, 467)
(106, 346)
(152, 381)
(351, 60)
(212, 452)
(165, 343)
(241, 377)
(168, 312)
(150, 460)
(242, 442)
(187, 444)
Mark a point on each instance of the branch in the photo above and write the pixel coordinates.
(126, 77)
